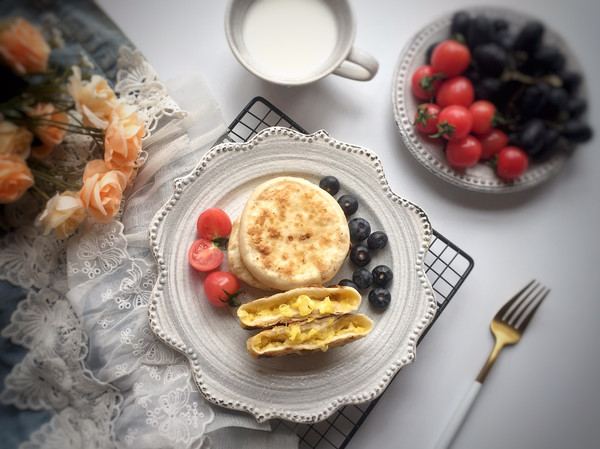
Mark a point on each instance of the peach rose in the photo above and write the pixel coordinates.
(49, 126)
(123, 139)
(15, 178)
(14, 140)
(23, 47)
(94, 99)
(102, 191)
(63, 214)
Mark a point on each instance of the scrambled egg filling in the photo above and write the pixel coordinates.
(294, 336)
(303, 306)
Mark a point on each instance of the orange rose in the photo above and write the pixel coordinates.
(14, 140)
(50, 127)
(15, 178)
(23, 48)
(123, 139)
(94, 99)
(102, 191)
(63, 214)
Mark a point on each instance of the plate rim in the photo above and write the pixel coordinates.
(414, 143)
(425, 292)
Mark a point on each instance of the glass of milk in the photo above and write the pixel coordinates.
(296, 42)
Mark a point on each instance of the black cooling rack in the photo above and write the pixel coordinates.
(447, 267)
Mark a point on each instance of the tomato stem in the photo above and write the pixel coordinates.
(221, 243)
(423, 115)
(232, 300)
(444, 128)
(427, 82)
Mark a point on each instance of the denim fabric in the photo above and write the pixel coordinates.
(15, 425)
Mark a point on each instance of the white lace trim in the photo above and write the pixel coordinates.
(53, 375)
(93, 361)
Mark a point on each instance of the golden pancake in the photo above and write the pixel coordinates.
(292, 234)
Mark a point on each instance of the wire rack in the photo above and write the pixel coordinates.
(447, 267)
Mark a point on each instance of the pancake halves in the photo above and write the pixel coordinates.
(292, 234)
(299, 304)
(309, 336)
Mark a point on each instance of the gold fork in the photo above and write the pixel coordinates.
(507, 326)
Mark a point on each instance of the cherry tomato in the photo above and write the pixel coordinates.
(221, 288)
(204, 255)
(512, 162)
(454, 122)
(425, 82)
(450, 58)
(463, 153)
(483, 116)
(426, 118)
(492, 143)
(213, 223)
(457, 90)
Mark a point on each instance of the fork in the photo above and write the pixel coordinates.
(508, 326)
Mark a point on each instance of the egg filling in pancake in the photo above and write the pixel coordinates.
(297, 305)
(292, 234)
(311, 336)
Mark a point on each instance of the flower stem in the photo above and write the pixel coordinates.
(52, 180)
(40, 192)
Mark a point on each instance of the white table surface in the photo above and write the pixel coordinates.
(542, 393)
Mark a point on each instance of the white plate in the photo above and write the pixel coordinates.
(430, 153)
(297, 388)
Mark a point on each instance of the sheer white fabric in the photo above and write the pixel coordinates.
(93, 360)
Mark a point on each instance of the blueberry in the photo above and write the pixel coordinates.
(363, 278)
(360, 229)
(360, 256)
(348, 283)
(377, 240)
(349, 204)
(380, 298)
(382, 275)
(330, 184)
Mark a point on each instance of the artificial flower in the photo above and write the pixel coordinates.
(14, 140)
(94, 99)
(37, 113)
(15, 178)
(123, 138)
(49, 125)
(102, 191)
(63, 214)
(23, 47)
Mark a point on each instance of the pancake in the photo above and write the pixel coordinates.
(234, 260)
(292, 234)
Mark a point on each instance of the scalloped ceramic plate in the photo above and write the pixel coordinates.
(297, 388)
(481, 177)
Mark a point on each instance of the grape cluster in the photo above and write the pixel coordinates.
(364, 244)
(527, 79)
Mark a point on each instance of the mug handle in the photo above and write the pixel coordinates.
(359, 65)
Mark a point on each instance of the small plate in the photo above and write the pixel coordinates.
(428, 152)
(297, 388)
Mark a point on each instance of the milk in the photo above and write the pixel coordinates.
(290, 38)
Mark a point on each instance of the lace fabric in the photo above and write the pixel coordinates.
(92, 358)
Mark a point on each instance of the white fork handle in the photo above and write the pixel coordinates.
(458, 417)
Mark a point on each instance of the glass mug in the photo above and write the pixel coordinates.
(296, 42)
